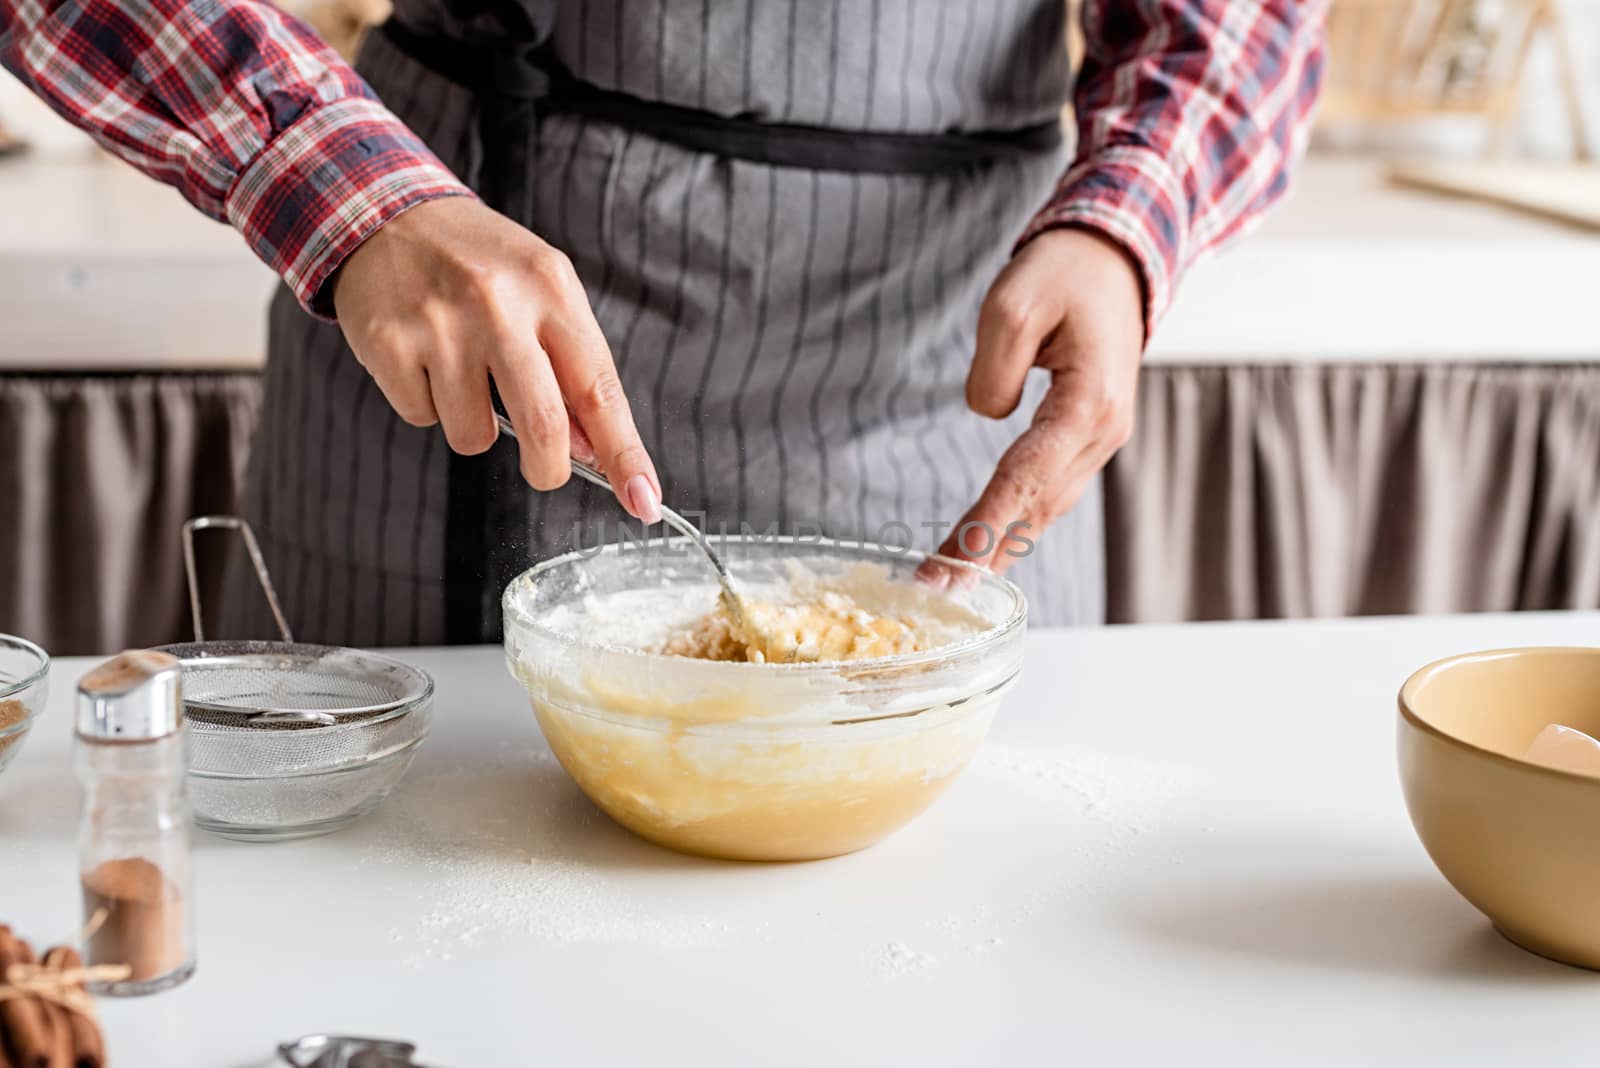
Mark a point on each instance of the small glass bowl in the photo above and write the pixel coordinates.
(736, 760)
(281, 808)
(24, 685)
(274, 782)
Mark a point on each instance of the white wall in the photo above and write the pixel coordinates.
(1544, 130)
(25, 115)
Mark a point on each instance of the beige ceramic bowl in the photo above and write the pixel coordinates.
(1518, 840)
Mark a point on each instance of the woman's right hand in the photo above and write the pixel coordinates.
(451, 294)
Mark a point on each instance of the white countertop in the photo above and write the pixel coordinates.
(102, 268)
(1352, 269)
(1181, 845)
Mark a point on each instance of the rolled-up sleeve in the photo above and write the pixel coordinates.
(1191, 114)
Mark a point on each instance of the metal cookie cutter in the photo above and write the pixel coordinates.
(345, 1051)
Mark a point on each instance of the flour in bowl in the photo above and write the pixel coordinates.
(827, 627)
(858, 614)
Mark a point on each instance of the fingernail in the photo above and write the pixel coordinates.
(642, 499)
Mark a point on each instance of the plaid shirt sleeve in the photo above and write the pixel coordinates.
(1190, 113)
(242, 108)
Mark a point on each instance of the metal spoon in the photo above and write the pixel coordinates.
(730, 593)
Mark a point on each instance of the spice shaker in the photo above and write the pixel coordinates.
(133, 836)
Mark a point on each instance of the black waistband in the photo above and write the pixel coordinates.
(523, 75)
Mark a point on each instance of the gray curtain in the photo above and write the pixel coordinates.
(1270, 491)
(97, 475)
(1246, 492)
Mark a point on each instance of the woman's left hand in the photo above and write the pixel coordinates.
(1070, 303)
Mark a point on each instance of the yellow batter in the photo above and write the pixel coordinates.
(765, 797)
(739, 761)
(826, 628)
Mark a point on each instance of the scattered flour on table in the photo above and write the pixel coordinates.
(492, 850)
(1086, 817)
(901, 959)
(1121, 794)
(1080, 819)
(512, 848)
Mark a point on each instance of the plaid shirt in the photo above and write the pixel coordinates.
(1189, 113)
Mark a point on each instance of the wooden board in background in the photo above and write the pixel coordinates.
(1566, 192)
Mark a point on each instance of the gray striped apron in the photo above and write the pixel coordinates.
(794, 341)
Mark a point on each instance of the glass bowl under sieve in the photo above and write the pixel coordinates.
(270, 778)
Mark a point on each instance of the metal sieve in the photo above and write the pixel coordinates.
(286, 738)
(265, 690)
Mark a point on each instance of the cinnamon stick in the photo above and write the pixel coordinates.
(60, 1034)
(5, 1058)
(25, 1028)
(88, 1048)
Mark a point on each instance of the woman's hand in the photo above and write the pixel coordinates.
(451, 294)
(1070, 303)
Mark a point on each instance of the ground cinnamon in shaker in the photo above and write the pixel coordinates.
(143, 926)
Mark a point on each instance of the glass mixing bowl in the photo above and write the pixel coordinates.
(24, 684)
(755, 761)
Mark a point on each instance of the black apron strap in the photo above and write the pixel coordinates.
(539, 80)
(816, 148)
(509, 86)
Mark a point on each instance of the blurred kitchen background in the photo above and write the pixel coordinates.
(1387, 400)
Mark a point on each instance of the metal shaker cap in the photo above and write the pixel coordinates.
(134, 696)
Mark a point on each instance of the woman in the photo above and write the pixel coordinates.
(774, 253)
